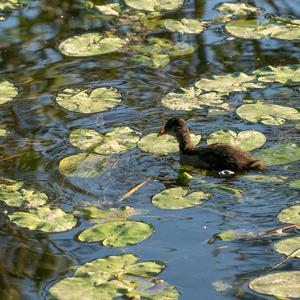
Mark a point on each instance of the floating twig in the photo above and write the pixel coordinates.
(134, 189)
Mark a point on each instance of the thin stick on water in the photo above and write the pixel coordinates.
(134, 189)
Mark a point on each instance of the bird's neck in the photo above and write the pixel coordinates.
(184, 139)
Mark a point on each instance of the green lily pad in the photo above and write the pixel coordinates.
(13, 194)
(288, 246)
(227, 83)
(82, 165)
(118, 140)
(269, 114)
(111, 9)
(12, 4)
(252, 29)
(237, 9)
(190, 26)
(290, 215)
(283, 74)
(227, 191)
(90, 44)
(265, 178)
(279, 155)
(152, 61)
(178, 198)
(295, 184)
(115, 276)
(246, 140)
(282, 285)
(98, 100)
(162, 145)
(192, 99)
(7, 91)
(44, 218)
(117, 233)
(154, 5)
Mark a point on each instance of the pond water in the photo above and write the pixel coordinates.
(38, 138)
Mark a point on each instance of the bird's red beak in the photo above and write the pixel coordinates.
(161, 132)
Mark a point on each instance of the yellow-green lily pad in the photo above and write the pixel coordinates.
(7, 91)
(44, 218)
(295, 184)
(190, 26)
(89, 44)
(84, 101)
(237, 9)
(162, 145)
(289, 247)
(290, 215)
(178, 198)
(111, 9)
(154, 5)
(246, 140)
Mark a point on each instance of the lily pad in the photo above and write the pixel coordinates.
(252, 29)
(82, 165)
(111, 9)
(246, 140)
(117, 233)
(290, 215)
(13, 194)
(227, 83)
(154, 5)
(162, 145)
(265, 178)
(98, 100)
(12, 4)
(192, 99)
(190, 26)
(295, 184)
(237, 9)
(90, 44)
(178, 198)
(152, 61)
(227, 191)
(7, 91)
(279, 155)
(118, 140)
(283, 74)
(44, 218)
(269, 114)
(281, 285)
(288, 247)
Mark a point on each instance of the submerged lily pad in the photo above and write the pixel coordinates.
(191, 26)
(269, 114)
(279, 155)
(98, 100)
(12, 193)
(162, 145)
(154, 5)
(192, 99)
(290, 215)
(82, 165)
(252, 29)
(295, 184)
(90, 44)
(237, 9)
(227, 83)
(152, 61)
(7, 91)
(288, 247)
(115, 276)
(44, 218)
(246, 140)
(281, 285)
(118, 140)
(178, 198)
(117, 233)
(283, 74)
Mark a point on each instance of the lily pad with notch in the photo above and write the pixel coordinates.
(289, 247)
(189, 26)
(290, 215)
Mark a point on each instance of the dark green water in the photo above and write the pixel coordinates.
(31, 261)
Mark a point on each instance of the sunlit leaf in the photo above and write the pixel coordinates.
(288, 246)
(237, 9)
(162, 145)
(178, 198)
(246, 140)
(227, 191)
(281, 285)
(269, 114)
(190, 26)
(118, 140)
(290, 215)
(12, 4)
(265, 178)
(7, 91)
(44, 218)
(117, 233)
(90, 44)
(279, 155)
(154, 5)
(83, 101)
(82, 165)
(111, 9)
